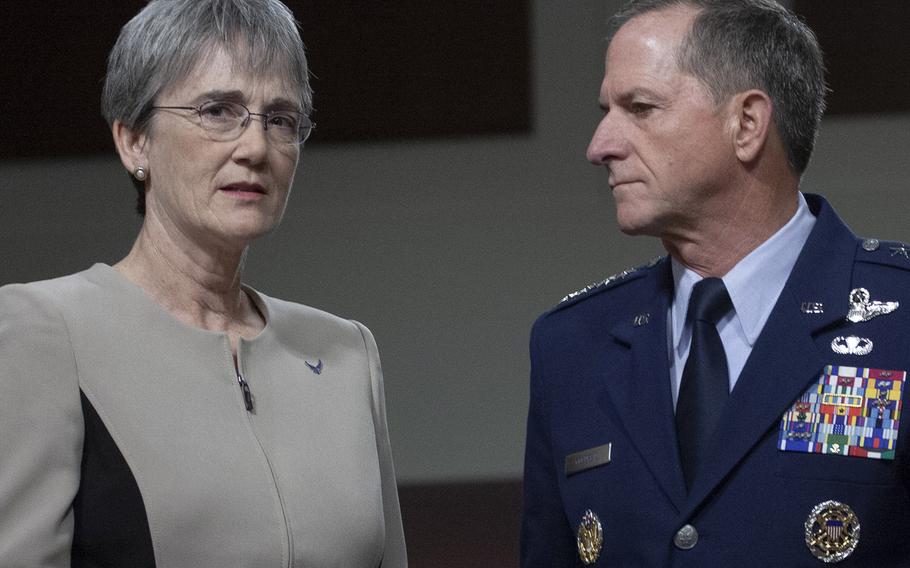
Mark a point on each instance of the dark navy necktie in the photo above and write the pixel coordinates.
(704, 388)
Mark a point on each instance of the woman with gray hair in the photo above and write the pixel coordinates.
(158, 412)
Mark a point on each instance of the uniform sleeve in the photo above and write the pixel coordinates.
(40, 432)
(547, 540)
(395, 554)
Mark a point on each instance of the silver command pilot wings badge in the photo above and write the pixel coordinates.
(864, 309)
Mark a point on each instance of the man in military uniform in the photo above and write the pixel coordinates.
(737, 403)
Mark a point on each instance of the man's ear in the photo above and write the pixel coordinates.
(130, 146)
(752, 119)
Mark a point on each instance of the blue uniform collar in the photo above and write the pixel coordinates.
(754, 283)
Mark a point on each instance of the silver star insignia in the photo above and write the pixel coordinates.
(901, 250)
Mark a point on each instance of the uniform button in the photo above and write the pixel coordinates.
(871, 245)
(686, 537)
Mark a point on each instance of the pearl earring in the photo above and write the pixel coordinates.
(140, 173)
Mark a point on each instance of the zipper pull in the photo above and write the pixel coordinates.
(247, 395)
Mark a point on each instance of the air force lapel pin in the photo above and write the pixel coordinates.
(862, 309)
(590, 538)
(317, 368)
(832, 531)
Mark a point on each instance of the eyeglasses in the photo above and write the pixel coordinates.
(225, 121)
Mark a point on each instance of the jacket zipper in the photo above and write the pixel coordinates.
(247, 394)
(248, 404)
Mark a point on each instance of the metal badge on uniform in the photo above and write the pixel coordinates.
(590, 538)
(851, 345)
(901, 250)
(832, 531)
(641, 319)
(587, 459)
(812, 308)
(871, 245)
(850, 411)
(862, 309)
(595, 285)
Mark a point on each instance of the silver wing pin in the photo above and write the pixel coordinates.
(862, 309)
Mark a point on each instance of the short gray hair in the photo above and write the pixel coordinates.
(164, 42)
(736, 45)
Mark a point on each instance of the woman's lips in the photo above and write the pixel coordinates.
(248, 191)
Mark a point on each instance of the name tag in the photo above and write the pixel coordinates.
(850, 411)
(587, 459)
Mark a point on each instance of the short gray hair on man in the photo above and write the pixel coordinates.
(736, 45)
(167, 39)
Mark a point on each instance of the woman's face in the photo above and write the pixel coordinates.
(218, 194)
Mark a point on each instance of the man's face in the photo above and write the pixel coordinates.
(662, 138)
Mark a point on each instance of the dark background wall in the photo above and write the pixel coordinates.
(386, 71)
(381, 70)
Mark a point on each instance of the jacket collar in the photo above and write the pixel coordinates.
(784, 360)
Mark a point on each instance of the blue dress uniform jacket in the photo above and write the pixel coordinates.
(599, 375)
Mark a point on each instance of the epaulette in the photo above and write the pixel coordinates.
(890, 253)
(609, 281)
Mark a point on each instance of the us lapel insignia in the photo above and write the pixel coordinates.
(812, 308)
(590, 538)
(851, 345)
(832, 531)
(862, 309)
(641, 319)
(849, 411)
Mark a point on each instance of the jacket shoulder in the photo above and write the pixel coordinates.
(884, 253)
(286, 309)
(306, 323)
(46, 295)
(609, 283)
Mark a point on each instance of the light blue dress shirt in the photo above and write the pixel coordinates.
(754, 285)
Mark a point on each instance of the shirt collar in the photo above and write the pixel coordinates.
(755, 282)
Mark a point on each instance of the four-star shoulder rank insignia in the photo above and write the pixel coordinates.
(610, 280)
(596, 285)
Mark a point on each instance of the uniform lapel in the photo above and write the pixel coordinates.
(785, 358)
(641, 398)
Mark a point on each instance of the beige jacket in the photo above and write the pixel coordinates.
(303, 478)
